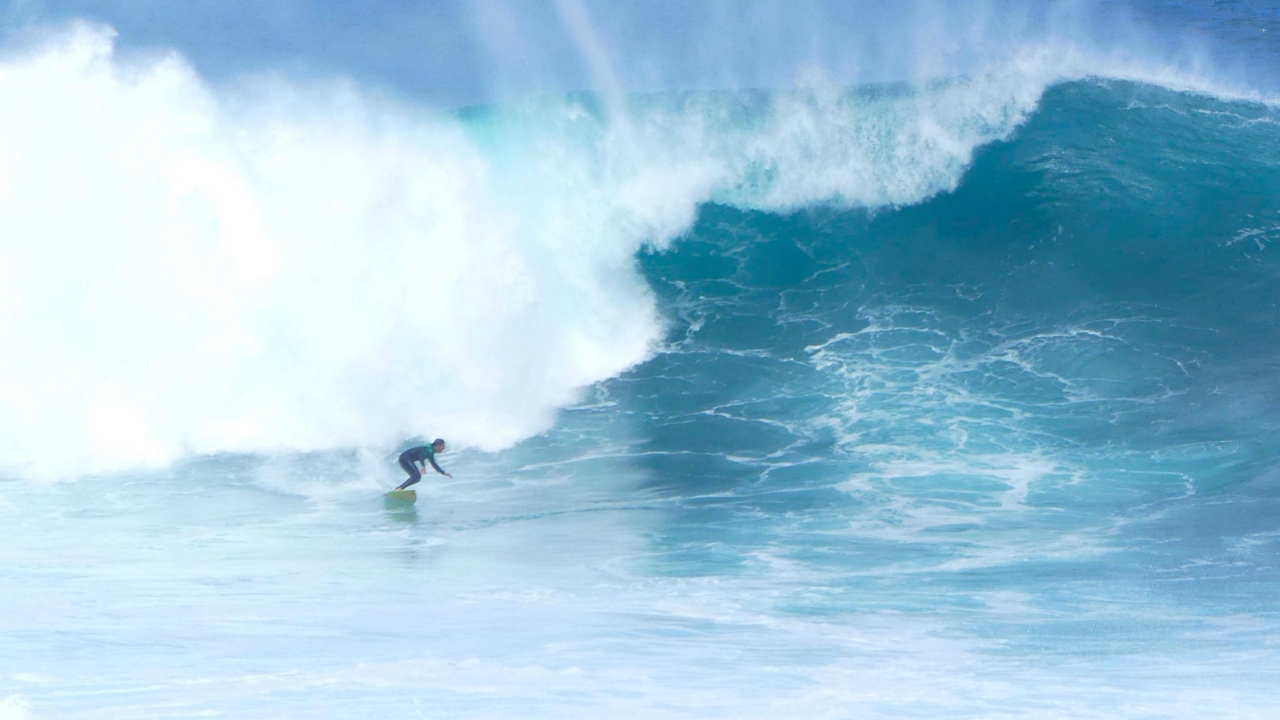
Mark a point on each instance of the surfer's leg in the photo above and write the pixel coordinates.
(409, 467)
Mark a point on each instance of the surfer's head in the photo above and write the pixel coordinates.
(438, 445)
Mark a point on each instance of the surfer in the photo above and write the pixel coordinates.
(421, 455)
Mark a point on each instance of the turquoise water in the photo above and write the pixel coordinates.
(1006, 452)
(941, 400)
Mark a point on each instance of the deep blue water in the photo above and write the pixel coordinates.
(1064, 369)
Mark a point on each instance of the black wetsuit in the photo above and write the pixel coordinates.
(409, 459)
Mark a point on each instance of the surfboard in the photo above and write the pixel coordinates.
(409, 496)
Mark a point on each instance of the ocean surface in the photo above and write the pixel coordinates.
(956, 397)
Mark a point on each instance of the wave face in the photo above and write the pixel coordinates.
(949, 401)
(279, 268)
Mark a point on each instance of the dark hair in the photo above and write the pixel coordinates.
(438, 441)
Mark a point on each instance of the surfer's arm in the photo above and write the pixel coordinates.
(437, 467)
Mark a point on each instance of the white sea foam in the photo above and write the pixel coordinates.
(15, 707)
(291, 268)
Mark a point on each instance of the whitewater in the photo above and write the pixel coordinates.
(946, 396)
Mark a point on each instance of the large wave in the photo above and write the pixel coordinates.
(288, 266)
(966, 384)
(279, 265)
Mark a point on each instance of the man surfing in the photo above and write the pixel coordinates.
(421, 455)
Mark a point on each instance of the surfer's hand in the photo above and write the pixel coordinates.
(448, 476)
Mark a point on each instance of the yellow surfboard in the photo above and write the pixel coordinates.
(409, 496)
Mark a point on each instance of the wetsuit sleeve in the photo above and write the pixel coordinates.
(432, 459)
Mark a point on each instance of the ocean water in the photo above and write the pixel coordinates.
(945, 398)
